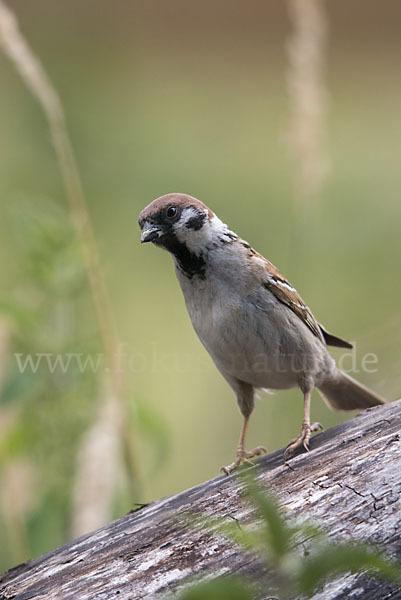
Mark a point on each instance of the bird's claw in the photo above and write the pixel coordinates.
(243, 457)
(302, 439)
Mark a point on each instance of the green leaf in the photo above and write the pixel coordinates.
(17, 440)
(222, 588)
(51, 257)
(342, 558)
(16, 312)
(249, 540)
(277, 533)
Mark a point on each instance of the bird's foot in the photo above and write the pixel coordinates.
(243, 457)
(302, 439)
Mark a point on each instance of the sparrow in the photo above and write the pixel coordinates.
(257, 329)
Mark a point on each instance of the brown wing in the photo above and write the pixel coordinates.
(288, 295)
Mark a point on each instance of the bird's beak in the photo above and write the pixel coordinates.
(150, 232)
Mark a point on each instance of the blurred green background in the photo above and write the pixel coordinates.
(177, 96)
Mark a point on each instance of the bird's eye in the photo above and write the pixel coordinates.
(171, 212)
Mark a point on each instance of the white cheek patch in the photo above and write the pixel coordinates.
(218, 226)
(211, 231)
(186, 232)
(188, 215)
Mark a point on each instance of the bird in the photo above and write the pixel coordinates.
(253, 323)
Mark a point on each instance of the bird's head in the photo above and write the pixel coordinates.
(177, 220)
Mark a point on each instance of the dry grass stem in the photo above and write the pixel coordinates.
(5, 334)
(97, 476)
(36, 79)
(306, 52)
(33, 74)
(18, 498)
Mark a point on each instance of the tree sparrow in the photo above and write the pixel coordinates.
(251, 320)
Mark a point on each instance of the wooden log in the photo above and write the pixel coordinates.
(350, 482)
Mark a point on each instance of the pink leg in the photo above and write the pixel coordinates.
(304, 437)
(242, 454)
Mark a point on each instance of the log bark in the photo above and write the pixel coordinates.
(350, 482)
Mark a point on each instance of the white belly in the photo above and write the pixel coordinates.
(249, 340)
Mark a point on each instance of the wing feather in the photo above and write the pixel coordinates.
(288, 295)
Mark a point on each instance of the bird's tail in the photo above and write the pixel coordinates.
(341, 392)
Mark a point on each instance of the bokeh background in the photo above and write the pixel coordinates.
(194, 97)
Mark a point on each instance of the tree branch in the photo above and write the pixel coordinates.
(350, 482)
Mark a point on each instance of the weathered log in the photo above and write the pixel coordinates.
(350, 481)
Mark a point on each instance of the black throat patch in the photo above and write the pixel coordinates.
(189, 263)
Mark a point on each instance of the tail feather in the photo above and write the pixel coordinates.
(341, 392)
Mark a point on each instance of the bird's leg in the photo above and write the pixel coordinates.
(303, 438)
(242, 455)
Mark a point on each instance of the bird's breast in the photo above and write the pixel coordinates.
(252, 336)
